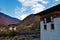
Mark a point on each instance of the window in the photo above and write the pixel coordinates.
(52, 19)
(48, 19)
(52, 26)
(45, 28)
(52, 23)
(44, 21)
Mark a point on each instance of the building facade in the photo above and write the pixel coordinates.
(50, 23)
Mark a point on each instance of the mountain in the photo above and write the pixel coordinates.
(7, 20)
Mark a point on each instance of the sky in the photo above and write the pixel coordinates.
(22, 8)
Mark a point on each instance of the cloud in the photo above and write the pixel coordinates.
(23, 16)
(28, 2)
(20, 14)
(37, 8)
(33, 4)
(56, 0)
(44, 1)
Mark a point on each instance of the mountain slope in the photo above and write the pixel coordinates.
(6, 20)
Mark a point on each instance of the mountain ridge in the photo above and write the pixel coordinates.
(6, 19)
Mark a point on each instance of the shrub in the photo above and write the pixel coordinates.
(8, 33)
(33, 28)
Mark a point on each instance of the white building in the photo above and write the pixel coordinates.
(12, 27)
(50, 24)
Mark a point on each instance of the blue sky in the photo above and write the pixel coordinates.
(22, 8)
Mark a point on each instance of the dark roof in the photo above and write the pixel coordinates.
(52, 9)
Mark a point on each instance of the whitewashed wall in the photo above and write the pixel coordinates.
(49, 34)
